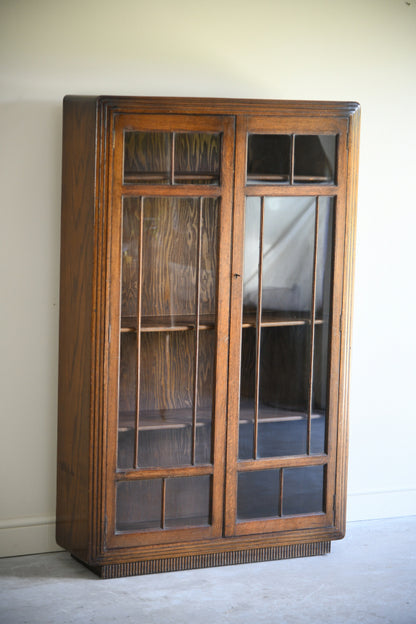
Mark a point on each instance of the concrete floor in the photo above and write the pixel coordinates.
(369, 577)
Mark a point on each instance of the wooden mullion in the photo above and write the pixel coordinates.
(138, 333)
(197, 315)
(296, 190)
(177, 190)
(161, 473)
(289, 461)
(313, 314)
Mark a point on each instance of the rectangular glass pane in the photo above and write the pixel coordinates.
(188, 501)
(127, 400)
(167, 364)
(170, 256)
(251, 258)
(197, 158)
(303, 490)
(268, 158)
(247, 393)
(258, 494)
(147, 157)
(283, 391)
(139, 505)
(322, 328)
(315, 159)
(205, 399)
(208, 270)
(130, 256)
(288, 256)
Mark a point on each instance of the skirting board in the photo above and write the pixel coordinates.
(381, 504)
(29, 536)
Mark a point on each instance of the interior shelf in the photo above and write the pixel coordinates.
(163, 419)
(167, 323)
(158, 177)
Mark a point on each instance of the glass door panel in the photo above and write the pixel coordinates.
(168, 338)
(285, 345)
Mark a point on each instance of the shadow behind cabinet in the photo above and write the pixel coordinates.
(206, 284)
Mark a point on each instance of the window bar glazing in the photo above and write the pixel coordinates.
(197, 321)
(258, 332)
(138, 332)
(313, 318)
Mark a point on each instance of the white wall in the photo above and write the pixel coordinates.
(362, 50)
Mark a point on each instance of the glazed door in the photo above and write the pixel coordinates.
(286, 303)
(170, 233)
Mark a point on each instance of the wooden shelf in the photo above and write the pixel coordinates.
(167, 323)
(279, 319)
(158, 177)
(261, 178)
(151, 420)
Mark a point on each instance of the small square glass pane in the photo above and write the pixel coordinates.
(147, 157)
(268, 159)
(303, 490)
(197, 158)
(258, 494)
(315, 159)
(139, 505)
(188, 501)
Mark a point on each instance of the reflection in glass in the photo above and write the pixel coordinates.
(170, 243)
(268, 158)
(314, 159)
(197, 158)
(258, 494)
(188, 501)
(139, 505)
(167, 363)
(147, 157)
(303, 490)
(127, 400)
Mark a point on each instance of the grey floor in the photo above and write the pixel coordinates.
(370, 577)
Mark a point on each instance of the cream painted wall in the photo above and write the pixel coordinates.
(361, 50)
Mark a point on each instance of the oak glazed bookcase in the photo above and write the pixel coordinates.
(206, 284)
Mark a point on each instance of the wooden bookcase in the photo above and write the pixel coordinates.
(206, 284)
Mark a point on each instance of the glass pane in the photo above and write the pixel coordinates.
(268, 159)
(167, 364)
(315, 159)
(188, 501)
(206, 370)
(303, 490)
(283, 392)
(127, 400)
(147, 157)
(208, 273)
(251, 258)
(288, 255)
(322, 329)
(170, 255)
(139, 505)
(247, 393)
(197, 158)
(258, 494)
